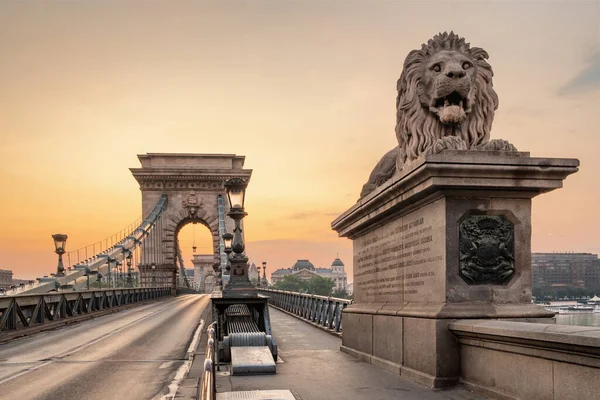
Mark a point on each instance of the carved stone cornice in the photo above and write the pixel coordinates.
(186, 180)
(180, 185)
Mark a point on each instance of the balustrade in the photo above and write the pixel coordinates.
(23, 311)
(320, 310)
(208, 387)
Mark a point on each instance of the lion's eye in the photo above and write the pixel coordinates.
(436, 68)
(466, 65)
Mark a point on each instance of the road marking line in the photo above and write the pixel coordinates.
(185, 367)
(10, 378)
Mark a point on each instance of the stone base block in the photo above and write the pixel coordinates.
(248, 360)
(422, 349)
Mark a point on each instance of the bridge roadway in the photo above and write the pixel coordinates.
(314, 368)
(132, 354)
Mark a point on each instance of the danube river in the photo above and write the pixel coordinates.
(584, 319)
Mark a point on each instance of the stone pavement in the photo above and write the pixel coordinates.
(313, 368)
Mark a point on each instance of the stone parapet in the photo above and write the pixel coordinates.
(519, 360)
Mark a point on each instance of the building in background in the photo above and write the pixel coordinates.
(305, 270)
(565, 273)
(5, 278)
(350, 289)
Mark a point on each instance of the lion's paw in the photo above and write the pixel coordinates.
(447, 143)
(497, 145)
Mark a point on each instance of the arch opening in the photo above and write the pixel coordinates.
(196, 247)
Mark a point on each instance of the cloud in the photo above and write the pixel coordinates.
(302, 215)
(312, 214)
(586, 80)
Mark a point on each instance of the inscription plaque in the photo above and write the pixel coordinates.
(403, 260)
(487, 250)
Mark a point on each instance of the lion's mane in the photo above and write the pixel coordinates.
(417, 128)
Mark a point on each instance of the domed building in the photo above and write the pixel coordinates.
(338, 274)
(305, 270)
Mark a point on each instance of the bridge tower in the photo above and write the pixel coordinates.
(193, 184)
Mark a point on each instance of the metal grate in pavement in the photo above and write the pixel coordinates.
(257, 395)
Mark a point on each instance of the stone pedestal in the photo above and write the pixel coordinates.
(448, 238)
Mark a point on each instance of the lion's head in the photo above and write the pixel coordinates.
(445, 89)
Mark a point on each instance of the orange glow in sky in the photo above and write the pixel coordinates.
(305, 90)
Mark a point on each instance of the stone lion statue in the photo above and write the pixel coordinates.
(445, 101)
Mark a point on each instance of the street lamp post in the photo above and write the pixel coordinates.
(227, 242)
(119, 277)
(128, 261)
(153, 275)
(264, 279)
(60, 242)
(109, 261)
(239, 284)
(87, 274)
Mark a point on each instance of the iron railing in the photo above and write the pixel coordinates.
(321, 310)
(28, 310)
(208, 386)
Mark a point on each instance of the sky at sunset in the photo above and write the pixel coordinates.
(304, 89)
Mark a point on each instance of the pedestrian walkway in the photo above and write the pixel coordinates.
(313, 368)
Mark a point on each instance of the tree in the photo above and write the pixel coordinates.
(320, 286)
(290, 283)
(340, 294)
(315, 285)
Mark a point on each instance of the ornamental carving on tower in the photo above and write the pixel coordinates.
(192, 203)
(487, 250)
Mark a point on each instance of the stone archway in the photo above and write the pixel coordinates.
(203, 268)
(194, 187)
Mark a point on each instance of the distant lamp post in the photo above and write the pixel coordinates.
(128, 260)
(119, 277)
(87, 274)
(264, 279)
(239, 284)
(153, 275)
(109, 261)
(60, 244)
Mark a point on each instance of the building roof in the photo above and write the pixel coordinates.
(303, 264)
(337, 263)
(282, 271)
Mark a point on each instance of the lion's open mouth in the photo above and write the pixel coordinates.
(453, 99)
(451, 108)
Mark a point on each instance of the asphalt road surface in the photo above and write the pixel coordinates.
(132, 354)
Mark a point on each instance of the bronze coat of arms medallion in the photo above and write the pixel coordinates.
(487, 250)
